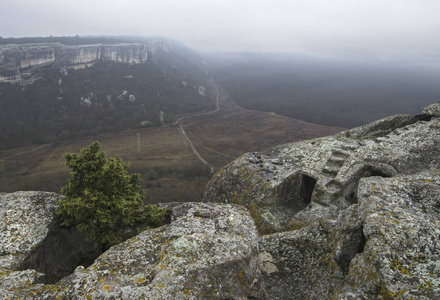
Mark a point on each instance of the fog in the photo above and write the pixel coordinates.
(392, 31)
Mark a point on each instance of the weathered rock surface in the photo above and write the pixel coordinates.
(385, 247)
(401, 224)
(208, 251)
(299, 183)
(24, 223)
(351, 216)
(303, 265)
(31, 237)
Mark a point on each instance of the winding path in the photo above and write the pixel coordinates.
(196, 153)
(24, 152)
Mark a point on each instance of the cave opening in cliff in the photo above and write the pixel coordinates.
(378, 173)
(306, 188)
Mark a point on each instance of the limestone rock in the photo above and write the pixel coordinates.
(24, 223)
(207, 251)
(132, 98)
(296, 184)
(303, 265)
(385, 247)
(432, 110)
(348, 236)
(401, 223)
(202, 90)
(14, 58)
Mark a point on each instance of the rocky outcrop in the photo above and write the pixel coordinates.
(303, 263)
(351, 216)
(207, 251)
(285, 187)
(385, 247)
(15, 59)
(401, 224)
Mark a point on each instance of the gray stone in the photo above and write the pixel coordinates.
(302, 264)
(321, 176)
(348, 236)
(31, 237)
(207, 251)
(24, 223)
(432, 110)
(401, 224)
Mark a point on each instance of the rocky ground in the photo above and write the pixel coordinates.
(351, 216)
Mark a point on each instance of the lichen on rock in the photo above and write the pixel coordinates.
(24, 223)
(351, 216)
(207, 251)
(322, 175)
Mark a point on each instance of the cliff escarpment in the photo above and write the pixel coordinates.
(16, 59)
(51, 91)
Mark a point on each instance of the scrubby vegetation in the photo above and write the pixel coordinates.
(102, 200)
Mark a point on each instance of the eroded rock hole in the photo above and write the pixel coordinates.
(355, 246)
(61, 252)
(306, 188)
(350, 193)
(362, 243)
(378, 173)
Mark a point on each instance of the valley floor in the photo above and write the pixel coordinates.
(175, 161)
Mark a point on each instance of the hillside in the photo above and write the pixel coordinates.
(55, 92)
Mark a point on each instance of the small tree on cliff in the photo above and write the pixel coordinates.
(102, 200)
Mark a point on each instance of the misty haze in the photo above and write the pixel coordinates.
(219, 149)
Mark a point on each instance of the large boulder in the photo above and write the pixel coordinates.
(207, 251)
(292, 185)
(31, 238)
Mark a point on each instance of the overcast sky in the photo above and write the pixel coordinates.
(356, 27)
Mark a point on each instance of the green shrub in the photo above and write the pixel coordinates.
(102, 200)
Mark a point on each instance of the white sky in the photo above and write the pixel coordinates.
(359, 27)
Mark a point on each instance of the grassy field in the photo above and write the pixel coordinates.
(233, 131)
(162, 157)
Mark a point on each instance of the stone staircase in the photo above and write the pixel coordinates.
(334, 164)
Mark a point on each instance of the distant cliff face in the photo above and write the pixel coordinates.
(15, 59)
(45, 87)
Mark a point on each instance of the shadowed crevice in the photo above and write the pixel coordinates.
(306, 189)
